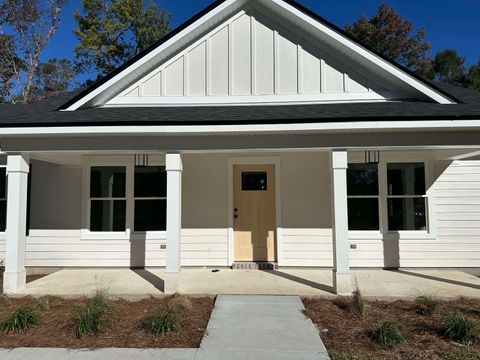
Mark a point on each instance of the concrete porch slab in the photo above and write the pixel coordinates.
(381, 284)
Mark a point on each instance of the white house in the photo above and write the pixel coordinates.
(256, 132)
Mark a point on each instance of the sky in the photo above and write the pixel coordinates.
(449, 24)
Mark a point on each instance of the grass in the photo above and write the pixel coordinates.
(358, 302)
(388, 334)
(45, 302)
(162, 322)
(93, 316)
(426, 305)
(21, 320)
(179, 302)
(458, 327)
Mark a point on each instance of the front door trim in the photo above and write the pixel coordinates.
(255, 160)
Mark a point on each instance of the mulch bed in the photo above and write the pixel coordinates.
(343, 331)
(124, 330)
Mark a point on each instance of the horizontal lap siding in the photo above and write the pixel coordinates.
(457, 244)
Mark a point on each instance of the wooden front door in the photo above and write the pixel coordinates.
(254, 212)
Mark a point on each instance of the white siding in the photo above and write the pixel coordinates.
(55, 236)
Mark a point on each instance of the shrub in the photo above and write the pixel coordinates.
(21, 320)
(45, 302)
(426, 305)
(92, 317)
(458, 327)
(161, 323)
(179, 302)
(358, 303)
(388, 334)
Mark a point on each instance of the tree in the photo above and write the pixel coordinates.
(389, 34)
(10, 66)
(449, 67)
(53, 78)
(473, 77)
(32, 24)
(113, 31)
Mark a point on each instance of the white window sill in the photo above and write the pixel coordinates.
(414, 234)
(365, 235)
(3, 235)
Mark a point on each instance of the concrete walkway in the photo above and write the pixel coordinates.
(261, 328)
(380, 284)
(241, 327)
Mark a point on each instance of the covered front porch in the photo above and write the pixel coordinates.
(374, 283)
(50, 221)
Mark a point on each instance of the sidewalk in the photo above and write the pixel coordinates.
(241, 327)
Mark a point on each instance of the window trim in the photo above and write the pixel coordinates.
(89, 161)
(431, 228)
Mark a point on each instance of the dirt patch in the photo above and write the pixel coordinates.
(57, 325)
(344, 332)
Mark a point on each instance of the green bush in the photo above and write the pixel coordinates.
(21, 320)
(426, 305)
(93, 316)
(161, 323)
(458, 327)
(389, 334)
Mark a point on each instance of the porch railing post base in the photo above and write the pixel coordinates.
(171, 283)
(342, 283)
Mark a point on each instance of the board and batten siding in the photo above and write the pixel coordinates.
(251, 55)
(457, 243)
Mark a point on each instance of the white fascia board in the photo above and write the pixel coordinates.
(207, 17)
(324, 98)
(378, 126)
(431, 93)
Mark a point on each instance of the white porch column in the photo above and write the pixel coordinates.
(342, 280)
(174, 219)
(14, 278)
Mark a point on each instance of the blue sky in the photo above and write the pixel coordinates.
(449, 24)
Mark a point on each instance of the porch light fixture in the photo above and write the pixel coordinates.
(141, 160)
(372, 157)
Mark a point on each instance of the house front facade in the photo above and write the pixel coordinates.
(256, 132)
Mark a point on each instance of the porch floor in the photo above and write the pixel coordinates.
(381, 284)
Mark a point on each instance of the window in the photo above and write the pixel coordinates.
(107, 198)
(406, 199)
(150, 198)
(3, 199)
(254, 181)
(363, 197)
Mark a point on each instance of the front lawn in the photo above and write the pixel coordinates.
(422, 329)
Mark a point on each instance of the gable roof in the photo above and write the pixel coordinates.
(134, 65)
(44, 113)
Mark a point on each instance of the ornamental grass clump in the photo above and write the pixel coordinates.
(21, 320)
(389, 334)
(426, 305)
(92, 317)
(45, 302)
(458, 327)
(358, 302)
(161, 323)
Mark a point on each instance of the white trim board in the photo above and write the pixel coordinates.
(253, 129)
(227, 8)
(255, 160)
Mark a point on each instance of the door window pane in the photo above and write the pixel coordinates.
(3, 215)
(150, 181)
(406, 179)
(107, 215)
(3, 183)
(407, 214)
(3, 199)
(107, 181)
(363, 214)
(254, 181)
(150, 215)
(362, 179)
